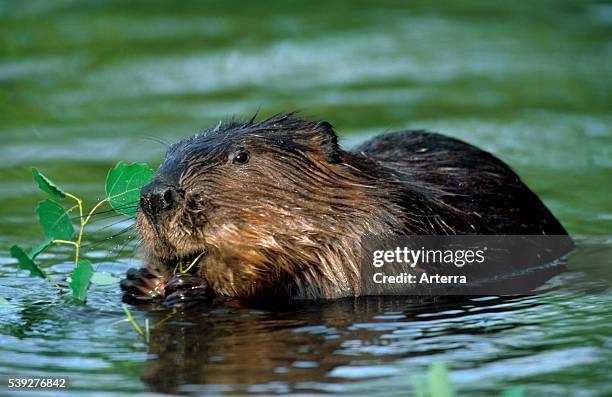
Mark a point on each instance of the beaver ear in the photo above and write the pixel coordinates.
(328, 141)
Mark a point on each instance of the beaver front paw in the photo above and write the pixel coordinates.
(185, 290)
(143, 285)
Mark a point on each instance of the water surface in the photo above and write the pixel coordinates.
(83, 85)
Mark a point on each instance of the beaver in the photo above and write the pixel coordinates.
(274, 207)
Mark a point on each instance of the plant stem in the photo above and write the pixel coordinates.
(163, 320)
(83, 221)
(71, 208)
(78, 243)
(191, 264)
(64, 242)
(53, 282)
(94, 209)
(147, 333)
(132, 321)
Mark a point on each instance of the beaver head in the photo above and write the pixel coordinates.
(265, 204)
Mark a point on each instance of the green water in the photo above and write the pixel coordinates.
(84, 84)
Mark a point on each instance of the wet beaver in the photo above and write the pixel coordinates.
(274, 207)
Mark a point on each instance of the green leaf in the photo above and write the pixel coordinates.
(46, 185)
(80, 279)
(104, 278)
(25, 263)
(33, 253)
(514, 392)
(439, 381)
(54, 220)
(419, 386)
(3, 301)
(123, 185)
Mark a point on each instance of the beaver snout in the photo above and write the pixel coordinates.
(157, 197)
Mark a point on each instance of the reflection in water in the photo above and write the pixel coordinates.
(256, 344)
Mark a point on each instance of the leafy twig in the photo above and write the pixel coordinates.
(123, 183)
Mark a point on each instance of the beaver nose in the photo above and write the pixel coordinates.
(156, 198)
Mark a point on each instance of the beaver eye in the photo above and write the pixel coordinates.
(241, 157)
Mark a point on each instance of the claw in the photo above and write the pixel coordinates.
(182, 281)
(148, 285)
(187, 298)
(185, 290)
(143, 284)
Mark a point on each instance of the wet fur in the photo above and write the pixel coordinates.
(286, 223)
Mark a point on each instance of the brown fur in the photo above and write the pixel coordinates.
(288, 221)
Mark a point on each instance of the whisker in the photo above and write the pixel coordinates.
(123, 207)
(155, 139)
(118, 251)
(114, 224)
(97, 243)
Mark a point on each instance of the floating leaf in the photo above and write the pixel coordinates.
(439, 381)
(46, 185)
(419, 387)
(54, 220)
(123, 185)
(3, 301)
(80, 280)
(104, 278)
(25, 263)
(515, 392)
(39, 248)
